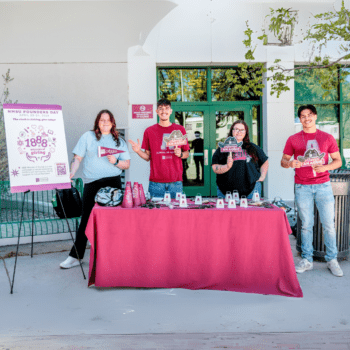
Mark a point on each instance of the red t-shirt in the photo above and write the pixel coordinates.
(165, 165)
(298, 143)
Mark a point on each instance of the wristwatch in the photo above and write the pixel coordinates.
(116, 163)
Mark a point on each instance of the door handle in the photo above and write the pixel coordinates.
(206, 161)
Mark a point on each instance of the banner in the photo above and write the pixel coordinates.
(36, 147)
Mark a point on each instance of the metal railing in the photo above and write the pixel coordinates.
(38, 203)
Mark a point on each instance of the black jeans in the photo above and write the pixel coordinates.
(89, 194)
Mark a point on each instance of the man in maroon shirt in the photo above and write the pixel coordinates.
(165, 162)
(310, 148)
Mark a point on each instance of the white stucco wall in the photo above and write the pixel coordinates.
(81, 89)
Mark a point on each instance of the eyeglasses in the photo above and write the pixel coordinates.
(239, 130)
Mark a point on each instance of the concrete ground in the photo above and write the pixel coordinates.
(53, 308)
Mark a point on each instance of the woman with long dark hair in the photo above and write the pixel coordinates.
(243, 171)
(98, 172)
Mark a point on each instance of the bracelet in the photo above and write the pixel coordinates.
(116, 163)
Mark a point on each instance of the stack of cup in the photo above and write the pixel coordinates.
(127, 200)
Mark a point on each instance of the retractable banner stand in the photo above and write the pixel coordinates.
(37, 154)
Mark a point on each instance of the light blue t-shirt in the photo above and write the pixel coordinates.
(95, 167)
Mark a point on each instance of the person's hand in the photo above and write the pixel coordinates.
(177, 151)
(136, 147)
(295, 164)
(229, 161)
(111, 159)
(261, 178)
(319, 168)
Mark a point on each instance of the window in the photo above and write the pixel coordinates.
(333, 110)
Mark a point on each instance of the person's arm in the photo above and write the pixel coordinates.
(136, 147)
(336, 163)
(222, 169)
(122, 164)
(74, 165)
(263, 171)
(287, 163)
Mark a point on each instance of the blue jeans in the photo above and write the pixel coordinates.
(322, 195)
(158, 189)
(257, 187)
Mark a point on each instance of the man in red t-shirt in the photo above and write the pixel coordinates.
(166, 162)
(310, 148)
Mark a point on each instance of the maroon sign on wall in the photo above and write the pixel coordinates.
(142, 111)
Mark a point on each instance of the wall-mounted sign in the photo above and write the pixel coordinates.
(142, 111)
(36, 147)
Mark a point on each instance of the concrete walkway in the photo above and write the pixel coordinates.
(53, 308)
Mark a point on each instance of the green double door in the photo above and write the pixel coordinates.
(206, 126)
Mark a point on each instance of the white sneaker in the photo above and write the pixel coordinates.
(69, 262)
(335, 268)
(304, 265)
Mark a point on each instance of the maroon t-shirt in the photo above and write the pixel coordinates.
(165, 165)
(319, 143)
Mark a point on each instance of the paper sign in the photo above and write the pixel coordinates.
(167, 197)
(232, 204)
(36, 147)
(105, 151)
(228, 197)
(183, 202)
(175, 139)
(244, 202)
(256, 197)
(142, 111)
(230, 145)
(178, 196)
(198, 200)
(220, 203)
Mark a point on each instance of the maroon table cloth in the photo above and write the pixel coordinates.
(243, 250)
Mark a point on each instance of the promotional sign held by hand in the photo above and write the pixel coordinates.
(230, 145)
(105, 151)
(311, 158)
(175, 139)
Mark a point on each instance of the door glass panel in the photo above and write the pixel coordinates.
(224, 121)
(346, 86)
(255, 133)
(193, 166)
(227, 85)
(327, 119)
(346, 140)
(183, 85)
